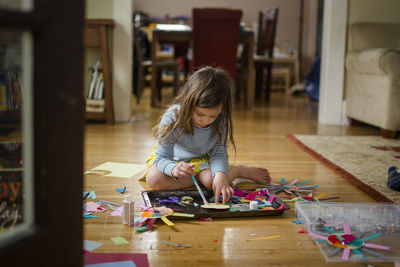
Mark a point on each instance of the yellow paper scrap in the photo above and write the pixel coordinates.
(166, 221)
(264, 237)
(117, 169)
(119, 240)
(321, 195)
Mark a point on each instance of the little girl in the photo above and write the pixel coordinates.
(193, 135)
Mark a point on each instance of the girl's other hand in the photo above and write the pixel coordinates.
(222, 187)
(183, 170)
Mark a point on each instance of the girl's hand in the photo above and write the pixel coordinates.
(183, 170)
(221, 186)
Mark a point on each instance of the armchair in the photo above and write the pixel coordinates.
(372, 83)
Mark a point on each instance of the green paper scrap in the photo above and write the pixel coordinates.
(117, 169)
(119, 240)
(182, 214)
(141, 229)
(234, 209)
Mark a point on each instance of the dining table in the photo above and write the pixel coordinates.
(182, 33)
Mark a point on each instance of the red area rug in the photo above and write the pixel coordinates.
(362, 160)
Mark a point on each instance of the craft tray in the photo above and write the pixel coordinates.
(151, 199)
(365, 220)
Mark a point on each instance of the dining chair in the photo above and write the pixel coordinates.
(267, 23)
(216, 38)
(142, 61)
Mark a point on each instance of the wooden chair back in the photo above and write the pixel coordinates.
(216, 38)
(267, 24)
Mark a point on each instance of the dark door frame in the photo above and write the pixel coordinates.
(56, 237)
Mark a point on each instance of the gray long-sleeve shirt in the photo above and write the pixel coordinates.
(188, 146)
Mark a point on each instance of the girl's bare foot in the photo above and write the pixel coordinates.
(257, 174)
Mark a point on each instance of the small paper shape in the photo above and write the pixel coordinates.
(119, 240)
(91, 206)
(113, 264)
(118, 211)
(302, 231)
(121, 190)
(91, 245)
(91, 194)
(116, 169)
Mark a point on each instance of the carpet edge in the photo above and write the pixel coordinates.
(371, 192)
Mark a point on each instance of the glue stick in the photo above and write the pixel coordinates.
(128, 214)
(253, 205)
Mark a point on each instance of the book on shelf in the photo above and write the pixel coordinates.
(10, 91)
(95, 105)
(100, 87)
(96, 86)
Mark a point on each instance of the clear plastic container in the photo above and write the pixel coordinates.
(365, 219)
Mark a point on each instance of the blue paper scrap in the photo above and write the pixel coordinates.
(90, 194)
(121, 190)
(91, 245)
(297, 221)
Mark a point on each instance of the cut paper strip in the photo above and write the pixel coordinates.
(318, 236)
(297, 221)
(320, 195)
(113, 264)
(176, 244)
(182, 214)
(376, 246)
(346, 254)
(90, 216)
(91, 245)
(109, 202)
(264, 237)
(116, 169)
(110, 206)
(119, 240)
(166, 221)
(346, 228)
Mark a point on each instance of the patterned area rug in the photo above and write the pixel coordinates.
(363, 160)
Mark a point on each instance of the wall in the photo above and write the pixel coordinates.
(121, 51)
(374, 11)
(288, 24)
(332, 108)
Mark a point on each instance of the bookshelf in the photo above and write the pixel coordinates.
(10, 77)
(96, 35)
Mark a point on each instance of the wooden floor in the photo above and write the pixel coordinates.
(260, 138)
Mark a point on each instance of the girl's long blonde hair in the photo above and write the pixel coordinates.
(206, 88)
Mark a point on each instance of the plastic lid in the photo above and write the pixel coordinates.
(128, 197)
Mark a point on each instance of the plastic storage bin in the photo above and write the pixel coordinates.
(365, 219)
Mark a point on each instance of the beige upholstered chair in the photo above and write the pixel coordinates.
(372, 83)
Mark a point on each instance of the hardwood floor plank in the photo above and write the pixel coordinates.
(260, 137)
